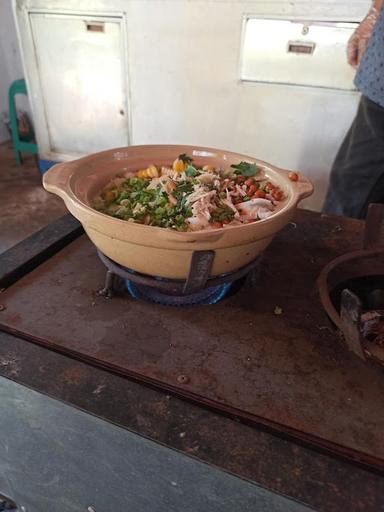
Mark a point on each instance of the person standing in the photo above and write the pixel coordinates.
(357, 175)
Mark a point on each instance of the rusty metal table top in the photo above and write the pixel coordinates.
(318, 478)
(284, 371)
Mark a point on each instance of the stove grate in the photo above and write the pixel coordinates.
(177, 292)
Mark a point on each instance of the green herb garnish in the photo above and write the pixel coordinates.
(222, 213)
(245, 169)
(191, 171)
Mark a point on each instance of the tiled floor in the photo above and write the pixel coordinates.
(25, 206)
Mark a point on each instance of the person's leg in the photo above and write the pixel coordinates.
(356, 175)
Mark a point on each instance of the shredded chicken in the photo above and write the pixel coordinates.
(199, 193)
(255, 209)
(197, 222)
(207, 177)
(228, 202)
(241, 191)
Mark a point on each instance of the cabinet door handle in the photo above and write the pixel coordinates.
(94, 26)
(302, 47)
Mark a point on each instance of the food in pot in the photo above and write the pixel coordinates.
(293, 176)
(186, 197)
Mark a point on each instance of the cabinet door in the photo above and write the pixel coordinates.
(310, 53)
(81, 69)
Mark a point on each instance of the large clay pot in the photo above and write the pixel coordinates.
(158, 251)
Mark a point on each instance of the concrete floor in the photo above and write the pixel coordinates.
(25, 207)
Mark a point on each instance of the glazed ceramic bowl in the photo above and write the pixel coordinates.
(163, 252)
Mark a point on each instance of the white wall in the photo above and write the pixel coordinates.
(188, 89)
(10, 60)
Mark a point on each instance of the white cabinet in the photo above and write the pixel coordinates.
(80, 69)
(310, 53)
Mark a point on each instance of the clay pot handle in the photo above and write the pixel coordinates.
(303, 187)
(56, 179)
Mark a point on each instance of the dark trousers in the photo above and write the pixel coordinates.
(357, 175)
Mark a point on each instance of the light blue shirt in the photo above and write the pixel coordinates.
(370, 75)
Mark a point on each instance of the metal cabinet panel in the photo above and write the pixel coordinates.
(297, 52)
(54, 458)
(81, 63)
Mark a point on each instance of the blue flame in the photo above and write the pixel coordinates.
(205, 297)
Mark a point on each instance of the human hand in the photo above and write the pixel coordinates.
(359, 39)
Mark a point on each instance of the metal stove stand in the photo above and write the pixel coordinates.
(198, 278)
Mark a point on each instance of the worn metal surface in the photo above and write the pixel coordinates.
(324, 482)
(59, 459)
(285, 371)
(373, 226)
(29, 253)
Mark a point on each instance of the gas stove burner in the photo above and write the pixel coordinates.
(207, 296)
(196, 289)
